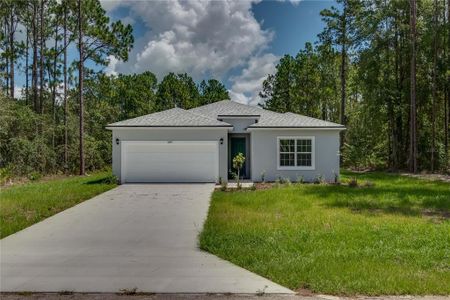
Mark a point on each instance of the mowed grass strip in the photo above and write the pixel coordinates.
(24, 205)
(392, 238)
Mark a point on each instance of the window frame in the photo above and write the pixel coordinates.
(313, 153)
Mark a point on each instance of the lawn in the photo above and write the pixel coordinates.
(24, 205)
(391, 238)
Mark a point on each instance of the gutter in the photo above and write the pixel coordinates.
(295, 128)
(111, 127)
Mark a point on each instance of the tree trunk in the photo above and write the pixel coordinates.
(397, 98)
(342, 118)
(434, 91)
(26, 66)
(80, 84)
(413, 112)
(35, 58)
(55, 66)
(12, 51)
(66, 154)
(41, 59)
(6, 32)
(446, 118)
(447, 111)
(389, 96)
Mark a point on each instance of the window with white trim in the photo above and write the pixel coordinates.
(296, 152)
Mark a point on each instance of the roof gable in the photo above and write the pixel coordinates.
(228, 108)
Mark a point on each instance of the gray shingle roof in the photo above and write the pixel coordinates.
(175, 117)
(291, 120)
(228, 107)
(206, 116)
(267, 119)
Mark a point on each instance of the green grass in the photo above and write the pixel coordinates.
(393, 238)
(24, 205)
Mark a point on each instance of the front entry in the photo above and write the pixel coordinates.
(239, 144)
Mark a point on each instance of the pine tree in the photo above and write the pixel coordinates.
(413, 112)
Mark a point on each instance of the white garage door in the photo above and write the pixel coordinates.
(174, 161)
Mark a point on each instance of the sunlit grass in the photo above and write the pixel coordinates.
(24, 205)
(393, 238)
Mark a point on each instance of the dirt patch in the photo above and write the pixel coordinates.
(23, 180)
(438, 177)
(436, 216)
(304, 292)
(264, 185)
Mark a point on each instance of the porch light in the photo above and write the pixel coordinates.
(221, 141)
(117, 141)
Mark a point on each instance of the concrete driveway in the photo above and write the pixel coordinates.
(141, 236)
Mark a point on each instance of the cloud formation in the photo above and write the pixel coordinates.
(202, 38)
(248, 84)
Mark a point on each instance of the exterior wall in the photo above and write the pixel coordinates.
(158, 134)
(264, 153)
(239, 124)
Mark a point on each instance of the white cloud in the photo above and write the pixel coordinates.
(110, 69)
(248, 84)
(198, 37)
(18, 92)
(293, 2)
(109, 5)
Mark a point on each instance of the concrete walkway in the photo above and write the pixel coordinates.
(140, 237)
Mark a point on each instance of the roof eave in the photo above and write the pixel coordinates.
(111, 127)
(298, 127)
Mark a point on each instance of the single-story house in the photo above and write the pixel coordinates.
(198, 145)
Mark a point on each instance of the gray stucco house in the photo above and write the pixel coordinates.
(198, 145)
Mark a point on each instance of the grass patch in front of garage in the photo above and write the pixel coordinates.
(26, 204)
(390, 238)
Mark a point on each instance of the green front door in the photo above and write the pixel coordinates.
(238, 144)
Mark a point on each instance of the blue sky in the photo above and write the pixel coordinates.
(238, 42)
(294, 25)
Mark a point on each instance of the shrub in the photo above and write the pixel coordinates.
(300, 179)
(238, 163)
(319, 179)
(353, 182)
(5, 175)
(34, 176)
(336, 177)
(223, 186)
(27, 156)
(277, 182)
(112, 179)
(368, 184)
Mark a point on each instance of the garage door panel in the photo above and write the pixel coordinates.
(169, 162)
(173, 147)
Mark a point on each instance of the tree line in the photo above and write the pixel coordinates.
(382, 68)
(56, 123)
